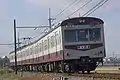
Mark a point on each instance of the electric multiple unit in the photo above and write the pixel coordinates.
(76, 44)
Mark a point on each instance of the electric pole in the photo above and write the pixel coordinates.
(49, 19)
(15, 47)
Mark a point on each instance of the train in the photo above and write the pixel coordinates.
(74, 45)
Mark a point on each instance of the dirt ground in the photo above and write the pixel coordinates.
(43, 77)
(74, 77)
(109, 73)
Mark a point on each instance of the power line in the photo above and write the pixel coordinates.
(80, 8)
(6, 44)
(35, 27)
(9, 44)
(76, 10)
(95, 8)
(66, 8)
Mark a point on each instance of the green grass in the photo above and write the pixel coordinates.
(7, 74)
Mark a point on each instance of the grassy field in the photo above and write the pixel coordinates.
(7, 74)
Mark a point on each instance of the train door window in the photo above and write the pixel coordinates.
(95, 34)
(52, 41)
(70, 35)
(48, 43)
(45, 45)
(34, 49)
(40, 47)
(37, 48)
(83, 35)
(31, 51)
(59, 37)
(27, 52)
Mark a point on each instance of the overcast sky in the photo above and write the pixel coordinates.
(35, 12)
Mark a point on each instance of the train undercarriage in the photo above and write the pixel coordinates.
(65, 66)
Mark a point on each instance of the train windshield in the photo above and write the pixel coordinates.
(82, 35)
(95, 34)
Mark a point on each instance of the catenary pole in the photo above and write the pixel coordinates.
(49, 18)
(15, 47)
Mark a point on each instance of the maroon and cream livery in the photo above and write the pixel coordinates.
(76, 44)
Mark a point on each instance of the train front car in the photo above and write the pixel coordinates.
(84, 45)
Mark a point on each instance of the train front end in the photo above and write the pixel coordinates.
(84, 44)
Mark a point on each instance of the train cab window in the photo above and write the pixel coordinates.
(70, 35)
(83, 35)
(95, 34)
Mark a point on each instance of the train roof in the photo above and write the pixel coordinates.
(81, 21)
(37, 39)
(70, 21)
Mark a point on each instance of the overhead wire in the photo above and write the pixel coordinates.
(71, 4)
(101, 3)
(66, 8)
(77, 9)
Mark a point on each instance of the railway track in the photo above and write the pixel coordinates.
(99, 75)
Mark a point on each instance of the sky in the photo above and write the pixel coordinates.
(35, 12)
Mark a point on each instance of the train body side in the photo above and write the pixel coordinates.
(48, 48)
